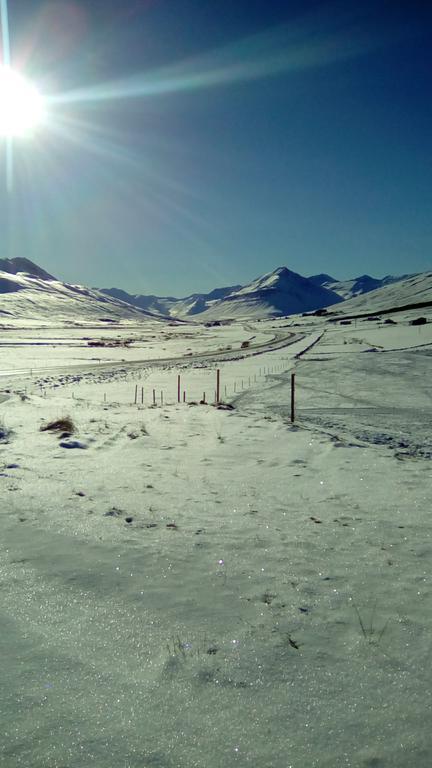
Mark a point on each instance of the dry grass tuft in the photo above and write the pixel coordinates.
(65, 424)
(4, 432)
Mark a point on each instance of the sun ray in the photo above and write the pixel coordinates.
(314, 42)
(4, 23)
(9, 164)
(4, 20)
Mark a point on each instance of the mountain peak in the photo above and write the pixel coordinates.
(322, 279)
(13, 266)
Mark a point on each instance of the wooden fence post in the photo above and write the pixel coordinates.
(218, 386)
(178, 388)
(292, 397)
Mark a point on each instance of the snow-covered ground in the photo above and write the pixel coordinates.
(193, 587)
(43, 349)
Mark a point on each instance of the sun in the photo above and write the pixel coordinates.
(22, 107)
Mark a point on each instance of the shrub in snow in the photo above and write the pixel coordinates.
(65, 424)
(4, 432)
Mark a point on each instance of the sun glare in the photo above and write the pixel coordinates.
(21, 105)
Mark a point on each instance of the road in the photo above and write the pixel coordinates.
(278, 341)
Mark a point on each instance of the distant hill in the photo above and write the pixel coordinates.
(149, 303)
(26, 299)
(404, 292)
(14, 266)
(347, 289)
(29, 294)
(322, 279)
(277, 293)
(168, 305)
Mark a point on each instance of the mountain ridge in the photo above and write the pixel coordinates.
(27, 291)
(349, 289)
(170, 305)
(411, 290)
(277, 293)
(19, 264)
(27, 298)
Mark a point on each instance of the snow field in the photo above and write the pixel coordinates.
(24, 353)
(199, 587)
(364, 336)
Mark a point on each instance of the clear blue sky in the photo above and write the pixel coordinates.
(200, 143)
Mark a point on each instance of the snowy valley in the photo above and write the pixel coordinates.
(189, 578)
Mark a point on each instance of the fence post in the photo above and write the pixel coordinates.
(292, 397)
(142, 395)
(178, 388)
(136, 394)
(218, 386)
(154, 397)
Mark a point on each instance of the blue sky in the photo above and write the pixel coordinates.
(195, 144)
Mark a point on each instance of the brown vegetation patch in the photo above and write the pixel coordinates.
(64, 424)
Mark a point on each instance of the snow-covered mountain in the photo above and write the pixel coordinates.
(322, 279)
(13, 266)
(347, 289)
(168, 305)
(276, 293)
(416, 289)
(27, 300)
(29, 295)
